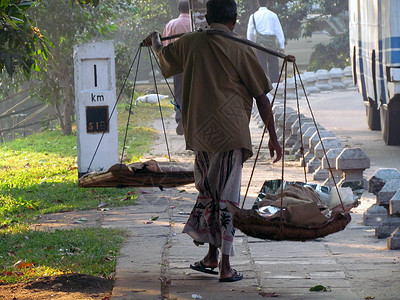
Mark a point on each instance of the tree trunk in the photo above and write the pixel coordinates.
(68, 106)
(58, 111)
(66, 94)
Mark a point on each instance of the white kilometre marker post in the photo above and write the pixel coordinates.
(95, 98)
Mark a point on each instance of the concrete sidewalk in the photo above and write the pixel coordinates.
(154, 262)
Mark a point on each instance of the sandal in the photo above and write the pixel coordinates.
(236, 277)
(198, 266)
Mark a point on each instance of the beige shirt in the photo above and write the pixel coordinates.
(220, 79)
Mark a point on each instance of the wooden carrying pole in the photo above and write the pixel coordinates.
(289, 58)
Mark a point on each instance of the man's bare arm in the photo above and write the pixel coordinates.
(264, 108)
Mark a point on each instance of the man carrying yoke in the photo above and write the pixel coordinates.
(220, 79)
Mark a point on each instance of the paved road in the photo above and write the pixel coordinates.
(352, 264)
(343, 113)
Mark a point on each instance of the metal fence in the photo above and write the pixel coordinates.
(20, 115)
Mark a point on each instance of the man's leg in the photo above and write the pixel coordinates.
(273, 68)
(226, 270)
(211, 258)
(218, 177)
(229, 191)
(262, 58)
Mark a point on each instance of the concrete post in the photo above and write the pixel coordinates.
(392, 222)
(374, 215)
(323, 80)
(298, 144)
(335, 78)
(393, 242)
(278, 115)
(348, 77)
(328, 142)
(335, 175)
(387, 192)
(277, 110)
(95, 97)
(282, 121)
(375, 185)
(311, 83)
(279, 93)
(295, 132)
(299, 87)
(306, 140)
(314, 162)
(353, 162)
(290, 89)
(290, 138)
(380, 178)
(296, 125)
(389, 225)
(394, 205)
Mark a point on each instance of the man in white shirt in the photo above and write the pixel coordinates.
(264, 24)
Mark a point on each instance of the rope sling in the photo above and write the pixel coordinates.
(249, 221)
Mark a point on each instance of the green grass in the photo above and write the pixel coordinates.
(34, 182)
(36, 253)
(38, 175)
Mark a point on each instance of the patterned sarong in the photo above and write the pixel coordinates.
(217, 177)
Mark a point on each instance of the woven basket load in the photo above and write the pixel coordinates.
(144, 174)
(252, 224)
(295, 211)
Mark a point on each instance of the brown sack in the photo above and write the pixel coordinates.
(307, 214)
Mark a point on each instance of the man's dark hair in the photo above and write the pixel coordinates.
(183, 6)
(221, 11)
(263, 2)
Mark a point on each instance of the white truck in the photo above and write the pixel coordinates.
(375, 56)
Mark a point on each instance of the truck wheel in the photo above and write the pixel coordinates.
(373, 116)
(390, 121)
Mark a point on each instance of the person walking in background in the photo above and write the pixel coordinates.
(221, 78)
(177, 26)
(264, 28)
